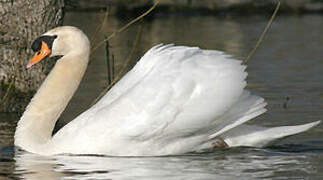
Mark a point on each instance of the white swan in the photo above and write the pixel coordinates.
(176, 99)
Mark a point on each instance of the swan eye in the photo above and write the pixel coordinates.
(36, 45)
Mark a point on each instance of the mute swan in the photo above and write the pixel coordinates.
(175, 100)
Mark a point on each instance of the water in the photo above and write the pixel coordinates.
(288, 64)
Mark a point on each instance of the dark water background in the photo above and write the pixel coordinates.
(288, 65)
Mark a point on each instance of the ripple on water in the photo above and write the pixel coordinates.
(245, 163)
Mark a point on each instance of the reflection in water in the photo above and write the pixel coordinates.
(224, 164)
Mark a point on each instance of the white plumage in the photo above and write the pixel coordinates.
(176, 99)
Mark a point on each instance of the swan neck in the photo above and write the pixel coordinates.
(37, 123)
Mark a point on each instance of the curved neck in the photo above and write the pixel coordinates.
(37, 123)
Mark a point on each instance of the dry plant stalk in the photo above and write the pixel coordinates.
(125, 27)
(124, 67)
(252, 52)
(100, 26)
(138, 35)
(109, 63)
(132, 50)
(5, 97)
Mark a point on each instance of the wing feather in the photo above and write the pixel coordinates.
(173, 91)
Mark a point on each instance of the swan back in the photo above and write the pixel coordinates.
(173, 93)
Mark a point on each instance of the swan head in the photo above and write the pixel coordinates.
(59, 41)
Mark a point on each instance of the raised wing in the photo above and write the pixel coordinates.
(173, 91)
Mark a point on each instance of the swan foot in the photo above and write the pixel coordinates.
(219, 143)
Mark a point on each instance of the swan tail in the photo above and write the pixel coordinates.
(255, 136)
(247, 108)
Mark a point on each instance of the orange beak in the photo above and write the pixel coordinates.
(40, 55)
